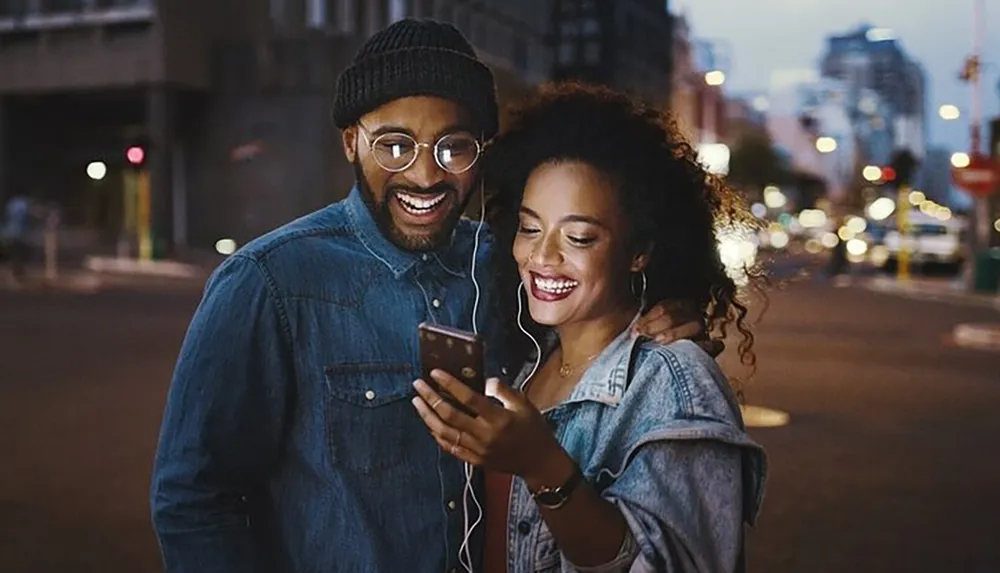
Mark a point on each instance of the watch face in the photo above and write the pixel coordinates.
(549, 498)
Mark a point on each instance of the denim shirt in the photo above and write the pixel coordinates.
(658, 432)
(289, 443)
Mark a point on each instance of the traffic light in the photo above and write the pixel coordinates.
(903, 165)
(135, 155)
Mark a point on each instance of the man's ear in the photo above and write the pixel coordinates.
(641, 259)
(349, 139)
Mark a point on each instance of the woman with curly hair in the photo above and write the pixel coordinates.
(608, 452)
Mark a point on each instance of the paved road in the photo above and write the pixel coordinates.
(889, 465)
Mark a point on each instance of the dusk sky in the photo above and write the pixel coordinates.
(768, 35)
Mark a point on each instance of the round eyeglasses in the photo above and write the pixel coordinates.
(395, 152)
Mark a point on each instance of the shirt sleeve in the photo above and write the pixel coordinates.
(683, 502)
(222, 425)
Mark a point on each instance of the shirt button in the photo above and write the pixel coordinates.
(452, 505)
(436, 303)
(524, 528)
(370, 394)
(425, 256)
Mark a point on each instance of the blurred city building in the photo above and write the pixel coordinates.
(228, 100)
(624, 44)
(871, 58)
(700, 108)
(809, 119)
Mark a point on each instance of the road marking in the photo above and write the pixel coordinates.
(978, 336)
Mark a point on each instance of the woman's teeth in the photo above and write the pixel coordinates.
(555, 286)
(419, 205)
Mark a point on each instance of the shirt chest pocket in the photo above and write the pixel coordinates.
(371, 426)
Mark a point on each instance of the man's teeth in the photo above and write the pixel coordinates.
(419, 204)
(555, 286)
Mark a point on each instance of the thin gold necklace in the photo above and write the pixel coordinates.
(566, 369)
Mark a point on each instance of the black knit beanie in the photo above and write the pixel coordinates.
(414, 58)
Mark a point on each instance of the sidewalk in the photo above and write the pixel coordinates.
(91, 274)
(952, 291)
(68, 280)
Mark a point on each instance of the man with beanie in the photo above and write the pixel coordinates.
(289, 443)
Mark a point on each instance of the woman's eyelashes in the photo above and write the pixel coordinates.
(580, 240)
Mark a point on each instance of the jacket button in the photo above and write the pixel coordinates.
(524, 528)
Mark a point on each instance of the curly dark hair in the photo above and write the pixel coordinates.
(668, 197)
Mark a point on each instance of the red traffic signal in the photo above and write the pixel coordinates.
(888, 174)
(135, 155)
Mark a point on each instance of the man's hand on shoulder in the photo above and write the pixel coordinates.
(668, 321)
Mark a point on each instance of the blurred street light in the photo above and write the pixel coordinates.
(881, 208)
(715, 78)
(225, 246)
(960, 159)
(96, 170)
(715, 157)
(856, 225)
(872, 173)
(761, 104)
(857, 247)
(774, 198)
(826, 145)
(949, 112)
(996, 225)
(812, 218)
(917, 197)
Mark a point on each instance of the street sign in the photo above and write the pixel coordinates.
(979, 178)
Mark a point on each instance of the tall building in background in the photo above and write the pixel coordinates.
(624, 44)
(700, 109)
(803, 109)
(870, 58)
(229, 99)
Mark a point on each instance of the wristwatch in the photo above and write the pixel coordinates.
(554, 498)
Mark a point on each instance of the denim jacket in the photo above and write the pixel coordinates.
(657, 430)
(289, 443)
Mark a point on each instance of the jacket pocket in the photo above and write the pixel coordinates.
(547, 558)
(369, 420)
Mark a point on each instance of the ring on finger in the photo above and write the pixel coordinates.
(436, 402)
(458, 440)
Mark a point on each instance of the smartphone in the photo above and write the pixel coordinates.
(457, 352)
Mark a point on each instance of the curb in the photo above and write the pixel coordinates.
(914, 292)
(78, 282)
(978, 336)
(114, 265)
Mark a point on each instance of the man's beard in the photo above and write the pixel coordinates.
(382, 214)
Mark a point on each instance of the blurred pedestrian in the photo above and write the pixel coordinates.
(14, 234)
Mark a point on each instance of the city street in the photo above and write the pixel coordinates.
(889, 463)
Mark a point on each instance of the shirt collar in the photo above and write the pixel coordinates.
(452, 257)
(606, 379)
